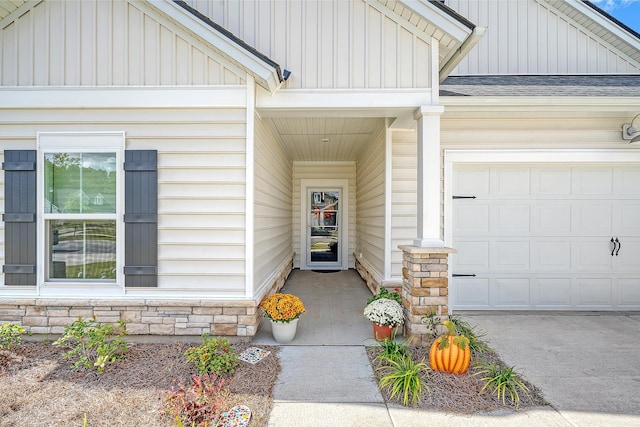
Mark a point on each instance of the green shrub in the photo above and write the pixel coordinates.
(11, 334)
(213, 355)
(502, 380)
(403, 377)
(463, 328)
(391, 350)
(198, 404)
(93, 344)
(384, 293)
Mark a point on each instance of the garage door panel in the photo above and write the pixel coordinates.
(472, 293)
(510, 255)
(592, 255)
(510, 219)
(593, 181)
(553, 181)
(511, 292)
(471, 219)
(472, 256)
(553, 293)
(551, 255)
(628, 257)
(551, 218)
(511, 181)
(629, 293)
(592, 218)
(596, 293)
(473, 180)
(627, 181)
(628, 218)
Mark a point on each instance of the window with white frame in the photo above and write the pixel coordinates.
(80, 203)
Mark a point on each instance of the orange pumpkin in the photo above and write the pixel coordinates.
(450, 353)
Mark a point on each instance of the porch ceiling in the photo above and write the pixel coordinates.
(326, 138)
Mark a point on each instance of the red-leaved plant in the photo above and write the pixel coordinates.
(198, 404)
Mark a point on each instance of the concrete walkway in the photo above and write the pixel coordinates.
(587, 365)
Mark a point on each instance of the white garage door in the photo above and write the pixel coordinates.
(546, 237)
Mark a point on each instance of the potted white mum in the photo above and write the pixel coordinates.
(385, 314)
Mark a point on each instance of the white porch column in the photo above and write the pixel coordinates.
(429, 182)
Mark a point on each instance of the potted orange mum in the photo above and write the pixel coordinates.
(283, 310)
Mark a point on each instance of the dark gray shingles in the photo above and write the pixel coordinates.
(536, 85)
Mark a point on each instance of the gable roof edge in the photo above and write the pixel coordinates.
(266, 72)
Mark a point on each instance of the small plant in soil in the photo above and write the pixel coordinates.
(214, 355)
(404, 379)
(11, 335)
(502, 380)
(93, 344)
(391, 350)
(197, 404)
(463, 328)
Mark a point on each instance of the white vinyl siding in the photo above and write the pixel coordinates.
(531, 37)
(370, 199)
(320, 171)
(329, 44)
(103, 43)
(273, 204)
(201, 184)
(404, 207)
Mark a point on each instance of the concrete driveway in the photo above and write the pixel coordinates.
(587, 365)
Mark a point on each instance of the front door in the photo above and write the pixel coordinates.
(324, 228)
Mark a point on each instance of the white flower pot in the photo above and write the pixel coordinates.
(284, 332)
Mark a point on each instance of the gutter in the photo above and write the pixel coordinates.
(469, 43)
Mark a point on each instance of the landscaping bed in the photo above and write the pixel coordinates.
(459, 393)
(39, 388)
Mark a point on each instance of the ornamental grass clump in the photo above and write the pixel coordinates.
(282, 307)
(385, 312)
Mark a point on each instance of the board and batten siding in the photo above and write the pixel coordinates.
(370, 199)
(104, 43)
(320, 171)
(201, 185)
(531, 37)
(272, 205)
(329, 44)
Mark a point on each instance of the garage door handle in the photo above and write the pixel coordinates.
(619, 246)
(613, 251)
(463, 275)
(463, 197)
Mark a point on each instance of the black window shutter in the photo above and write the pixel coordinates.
(20, 217)
(141, 218)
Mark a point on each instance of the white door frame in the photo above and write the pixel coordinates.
(544, 156)
(343, 230)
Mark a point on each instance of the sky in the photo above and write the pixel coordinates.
(625, 11)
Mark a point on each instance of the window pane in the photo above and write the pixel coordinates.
(82, 250)
(80, 183)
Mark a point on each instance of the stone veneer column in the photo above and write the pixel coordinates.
(425, 288)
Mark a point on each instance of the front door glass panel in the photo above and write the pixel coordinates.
(324, 227)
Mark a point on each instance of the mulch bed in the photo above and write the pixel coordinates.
(461, 394)
(39, 388)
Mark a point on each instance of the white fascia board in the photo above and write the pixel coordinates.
(261, 71)
(350, 102)
(437, 17)
(539, 104)
(459, 54)
(123, 97)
